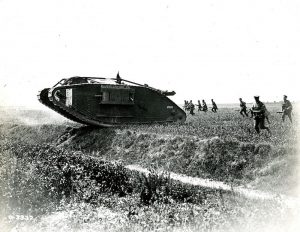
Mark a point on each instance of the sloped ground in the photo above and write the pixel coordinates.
(215, 158)
(48, 189)
(38, 160)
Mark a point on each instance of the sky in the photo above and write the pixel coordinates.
(200, 49)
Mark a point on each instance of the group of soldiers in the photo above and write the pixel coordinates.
(190, 106)
(258, 111)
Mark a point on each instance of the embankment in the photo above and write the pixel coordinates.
(214, 158)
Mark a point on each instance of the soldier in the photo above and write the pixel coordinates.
(287, 109)
(267, 114)
(199, 106)
(243, 108)
(185, 106)
(214, 106)
(204, 106)
(191, 107)
(259, 111)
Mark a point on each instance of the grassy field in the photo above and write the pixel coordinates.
(58, 175)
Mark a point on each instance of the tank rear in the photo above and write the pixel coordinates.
(153, 105)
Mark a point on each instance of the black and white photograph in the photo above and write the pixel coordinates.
(162, 115)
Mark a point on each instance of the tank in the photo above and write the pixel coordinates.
(106, 102)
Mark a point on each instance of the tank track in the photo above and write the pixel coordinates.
(43, 98)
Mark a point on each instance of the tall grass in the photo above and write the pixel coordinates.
(64, 173)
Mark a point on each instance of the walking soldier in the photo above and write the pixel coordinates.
(243, 106)
(204, 106)
(191, 107)
(259, 111)
(286, 108)
(199, 106)
(214, 106)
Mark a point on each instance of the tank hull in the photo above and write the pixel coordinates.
(108, 105)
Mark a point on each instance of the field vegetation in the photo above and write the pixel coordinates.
(63, 176)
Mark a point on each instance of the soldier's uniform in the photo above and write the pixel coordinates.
(214, 106)
(243, 106)
(185, 105)
(192, 108)
(286, 108)
(199, 106)
(259, 112)
(204, 106)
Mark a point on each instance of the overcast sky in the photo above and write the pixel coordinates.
(221, 49)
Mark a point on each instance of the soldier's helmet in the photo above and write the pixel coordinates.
(240, 98)
(284, 96)
(256, 97)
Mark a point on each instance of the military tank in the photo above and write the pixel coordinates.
(106, 102)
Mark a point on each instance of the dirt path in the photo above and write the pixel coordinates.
(242, 191)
